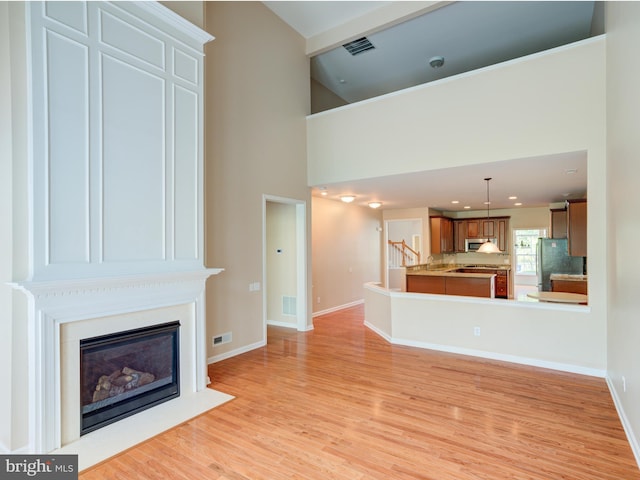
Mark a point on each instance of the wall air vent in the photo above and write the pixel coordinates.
(359, 46)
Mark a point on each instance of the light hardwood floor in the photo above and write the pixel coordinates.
(341, 403)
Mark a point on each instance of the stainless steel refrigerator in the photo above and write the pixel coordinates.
(553, 257)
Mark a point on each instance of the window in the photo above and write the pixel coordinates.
(524, 243)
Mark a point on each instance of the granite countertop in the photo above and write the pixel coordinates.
(569, 277)
(449, 273)
(441, 268)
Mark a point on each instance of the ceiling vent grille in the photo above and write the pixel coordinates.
(359, 46)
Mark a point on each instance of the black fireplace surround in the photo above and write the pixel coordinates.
(124, 373)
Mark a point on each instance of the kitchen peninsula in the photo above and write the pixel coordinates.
(487, 281)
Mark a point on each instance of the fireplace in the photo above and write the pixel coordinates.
(127, 372)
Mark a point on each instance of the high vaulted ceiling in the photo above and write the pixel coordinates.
(469, 35)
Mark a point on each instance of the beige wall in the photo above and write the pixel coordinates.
(189, 10)
(323, 99)
(346, 252)
(256, 99)
(623, 148)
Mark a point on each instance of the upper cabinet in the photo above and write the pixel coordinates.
(117, 145)
(473, 228)
(577, 227)
(441, 235)
(558, 223)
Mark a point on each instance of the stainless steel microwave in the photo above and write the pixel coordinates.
(473, 244)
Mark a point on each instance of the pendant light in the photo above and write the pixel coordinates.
(488, 246)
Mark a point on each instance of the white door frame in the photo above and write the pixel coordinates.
(301, 261)
(386, 242)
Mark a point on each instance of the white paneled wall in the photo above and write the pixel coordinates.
(117, 145)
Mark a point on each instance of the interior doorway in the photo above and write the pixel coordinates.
(284, 244)
(409, 231)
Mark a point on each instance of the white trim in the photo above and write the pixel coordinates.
(276, 323)
(175, 21)
(339, 307)
(301, 261)
(626, 425)
(236, 352)
(378, 331)
(533, 362)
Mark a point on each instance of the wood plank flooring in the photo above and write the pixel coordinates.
(341, 403)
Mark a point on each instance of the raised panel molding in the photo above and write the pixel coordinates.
(67, 154)
(185, 67)
(131, 40)
(73, 16)
(117, 139)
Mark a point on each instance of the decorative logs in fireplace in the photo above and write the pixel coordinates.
(119, 382)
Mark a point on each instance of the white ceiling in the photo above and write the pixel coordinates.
(469, 35)
(536, 182)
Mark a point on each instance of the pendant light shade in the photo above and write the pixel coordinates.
(488, 246)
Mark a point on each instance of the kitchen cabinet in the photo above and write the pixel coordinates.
(488, 228)
(460, 235)
(494, 227)
(441, 235)
(452, 284)
(569, 286)
(577, 227)
(502, 234)
(501, 280)
(558, 223)
(474, 228)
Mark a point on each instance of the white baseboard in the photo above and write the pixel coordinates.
(628, 430)
(237, 351)
(533, 362)
(378, 331)
(277, 323)
(339, 307)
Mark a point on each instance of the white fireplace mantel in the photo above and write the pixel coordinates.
(53, 304)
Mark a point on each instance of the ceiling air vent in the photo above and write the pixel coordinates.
(358, 46)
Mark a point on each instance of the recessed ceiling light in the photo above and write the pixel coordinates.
(513, 197)
(467, 207)
(347, 198)
(455, 201)
(517, 204)
(375, 204)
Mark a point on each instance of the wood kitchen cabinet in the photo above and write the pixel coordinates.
(474, 228)
(569, 286)
(441, 235)
(502, 233)
(501, 281)
(494, 227)
(558, 222)
(460, 235)
(488, 228)
(577, 227)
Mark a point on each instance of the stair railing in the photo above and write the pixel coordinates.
(402, 255)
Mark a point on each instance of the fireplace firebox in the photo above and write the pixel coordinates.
(126, 372)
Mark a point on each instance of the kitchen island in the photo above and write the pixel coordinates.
(465, 280)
